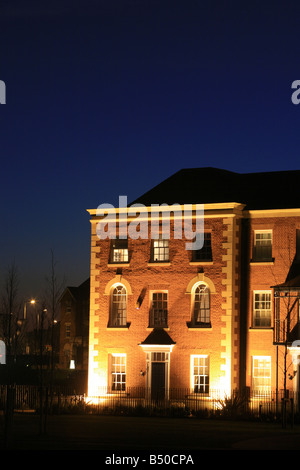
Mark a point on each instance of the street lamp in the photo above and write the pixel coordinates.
(39, 325)
(32, 302)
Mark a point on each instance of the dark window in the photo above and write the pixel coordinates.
(205, 254)
(262, 250)
(298, 245)
(159, 310)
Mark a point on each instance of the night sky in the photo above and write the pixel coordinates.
(109, 98)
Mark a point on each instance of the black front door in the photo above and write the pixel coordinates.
(158, 381)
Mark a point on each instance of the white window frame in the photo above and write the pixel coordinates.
(208, 294)
(261, 383)
(261, 292)
(193, 375)
(113, 319)
(160, 250)
(255, 244)
(121, 373)
(119, 251)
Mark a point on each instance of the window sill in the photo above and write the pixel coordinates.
(118, 393)
(159, 263)
(260, 328)
(254, 262)
(197, 263)
(118, 265)
(152, 327)
(118, 328)
(199, 395)
(204, 326)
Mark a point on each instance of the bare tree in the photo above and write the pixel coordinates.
(11, 308)
(54, 289)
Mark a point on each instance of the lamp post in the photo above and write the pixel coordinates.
(39, 318)
(42, 424)
(32, 302)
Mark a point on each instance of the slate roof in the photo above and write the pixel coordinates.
(80, 292)
(265, 190)
(158, 336)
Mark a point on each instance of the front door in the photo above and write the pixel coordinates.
(158, 381)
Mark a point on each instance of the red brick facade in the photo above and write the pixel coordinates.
(230, 345)
(263, 276)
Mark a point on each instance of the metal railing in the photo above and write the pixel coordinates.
(140, 399)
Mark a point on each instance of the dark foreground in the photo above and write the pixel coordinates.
(133, 434)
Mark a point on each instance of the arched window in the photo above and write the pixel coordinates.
(118, 306)
(201, 307)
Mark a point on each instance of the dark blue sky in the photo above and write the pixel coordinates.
(108, 98)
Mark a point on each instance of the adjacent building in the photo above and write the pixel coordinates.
(210, 320)
(74, 327)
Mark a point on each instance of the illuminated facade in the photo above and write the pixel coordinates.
(163, 317)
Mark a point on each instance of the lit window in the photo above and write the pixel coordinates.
(119, 251)
(200, 374)
(118, 372)
(159, 310)
(262, 250)
(159, 356)
(118, 307)
(261, 375)
(160, 250)
(262, 309)
(205, 254)
(201, 308)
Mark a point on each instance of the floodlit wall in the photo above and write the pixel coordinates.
(218, 341)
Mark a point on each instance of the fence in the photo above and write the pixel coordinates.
(139, 400)
(215, 403)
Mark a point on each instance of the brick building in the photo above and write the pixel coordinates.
(216, 319)
(74, 327)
